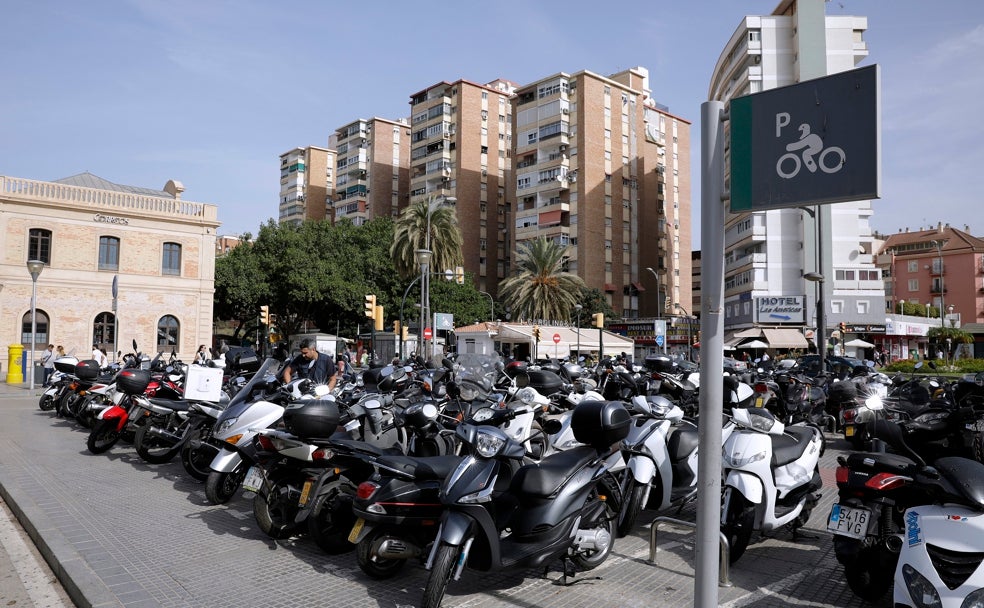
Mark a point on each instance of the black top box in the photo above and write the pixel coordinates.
(87, 370)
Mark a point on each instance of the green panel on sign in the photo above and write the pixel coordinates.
(741, 154)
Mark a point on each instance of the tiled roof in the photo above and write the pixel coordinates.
(88, 180)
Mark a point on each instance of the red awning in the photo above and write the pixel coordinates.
(609, 287)
(639, 287)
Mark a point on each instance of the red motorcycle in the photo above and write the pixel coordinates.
(121, 419)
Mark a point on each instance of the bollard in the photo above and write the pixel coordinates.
(15, 373)
(724, 554)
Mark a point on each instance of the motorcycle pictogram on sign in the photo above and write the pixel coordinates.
(830, 159)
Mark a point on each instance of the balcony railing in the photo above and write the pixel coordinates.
(14, 188)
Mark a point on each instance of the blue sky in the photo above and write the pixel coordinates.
(211, 92)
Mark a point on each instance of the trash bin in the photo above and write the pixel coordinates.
(38, 373)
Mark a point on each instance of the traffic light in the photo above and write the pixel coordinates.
(370, 306)
(843, 326)
(459, 275)
(396, 327)
(598, 319)
(265, 314)
(536, 332)
(378, 318)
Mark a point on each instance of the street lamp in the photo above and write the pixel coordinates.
(402, 302)
(690, 333)
(901, 307)
(817, 279)
(659, 303)
(34, 267)
(949, 313)
(939, 251)
(492, 304)
(424, 257)
(577, 355)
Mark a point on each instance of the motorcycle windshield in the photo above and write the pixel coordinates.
(476, 372)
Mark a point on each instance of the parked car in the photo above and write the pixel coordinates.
(734, 366)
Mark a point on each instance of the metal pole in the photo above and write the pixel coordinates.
(659, 304)
(577, 355)
(821, 314)
(402, 302)
(711, 354)
(34, 325)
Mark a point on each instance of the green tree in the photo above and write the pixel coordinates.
(240, 287)
(541, 289)
(410, 234)
(955, 335)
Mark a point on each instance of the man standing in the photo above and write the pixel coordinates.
(48, 361)
(310, 364)
(99, 356)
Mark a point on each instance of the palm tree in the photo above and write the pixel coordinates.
(541, 289)
(410, 234)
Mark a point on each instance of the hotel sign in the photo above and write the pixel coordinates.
(780, 309)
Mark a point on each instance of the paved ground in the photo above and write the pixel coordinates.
(119, 532)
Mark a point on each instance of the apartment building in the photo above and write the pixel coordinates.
(372, 169)
(768, 252)
(121, 263)
(306, 184)
(460, 146)
(603, 168)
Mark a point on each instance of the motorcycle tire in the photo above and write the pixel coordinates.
(103, 436)
(84, 415)
(331, 517)
(440, 575)
(738, 525)
(197, 461)
(274, 510)
(631, 508)
(379, 568)
(588, 560)
(871, 575)
(152, 448)
(221, 487)
(46, 403)
(61, 407)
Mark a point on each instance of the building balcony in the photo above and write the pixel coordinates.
(745, 260)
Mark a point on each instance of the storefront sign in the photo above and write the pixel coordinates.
(780, 309)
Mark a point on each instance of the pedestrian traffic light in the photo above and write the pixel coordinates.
(265, 314)
(378, 318)
(370, 306)
(536, 332)
(598, 319)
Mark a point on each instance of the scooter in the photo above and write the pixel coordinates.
(771, 476)
(496, 519)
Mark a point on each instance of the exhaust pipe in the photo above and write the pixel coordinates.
(162, 433)
(894, 543)
(397, 548)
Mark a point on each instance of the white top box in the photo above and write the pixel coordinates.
(203, 383)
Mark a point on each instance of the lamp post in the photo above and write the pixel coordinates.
(577, 355)
(939, 252)
(424, 257)
(402, 302)
(34, 267)
(690, 333)
(659, 303)
(949, 313)
(817, 279)
(491, 304)
(901, 307)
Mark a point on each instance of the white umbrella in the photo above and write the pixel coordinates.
(754, 344)
(859, 343)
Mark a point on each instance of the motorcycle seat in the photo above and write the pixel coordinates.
(356, 445)
(421, 467)
(880, 462)
(790, 445)
(681, 443)
(542, 479)
(964, 479)
(178, 405)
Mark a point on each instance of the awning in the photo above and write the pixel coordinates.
(638, 286)
(549, 217)
(785, 338)
(752, 332)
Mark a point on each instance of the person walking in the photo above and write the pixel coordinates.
(48, 362)
(99, 356)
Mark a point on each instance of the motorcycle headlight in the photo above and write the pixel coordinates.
(526, 395)
(974, 599)
(225, 425)
(922, 592)
(736, 461)
(488, 444)
(873, 402)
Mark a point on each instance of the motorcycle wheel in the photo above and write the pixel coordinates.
(588, 560)
(153, 448)
(197, 461)
(84, 415)
(331, 517)
(103, 436)
(738, 525)
(379, 568)
(440, 575)
(221, 487)
(274, 510)
(870, 577)
(629, 512)
(46, 403)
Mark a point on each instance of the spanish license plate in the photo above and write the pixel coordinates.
(356, 530)
(759, 401)
(849, 431)
(305, 493)
(253, 480)
(848, 521)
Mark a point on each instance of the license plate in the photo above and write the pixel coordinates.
(356, 530)
(305, 493)
(848, 431)
(848, 521)
(253, 480)
(759, 401)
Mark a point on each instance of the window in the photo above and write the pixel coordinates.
(913, 266)
(103, 330)
(168, 332)
(171, 262)
(39, 245)
(40, 323)
(913, 284)
(109, 253)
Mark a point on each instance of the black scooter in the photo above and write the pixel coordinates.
(496, 519)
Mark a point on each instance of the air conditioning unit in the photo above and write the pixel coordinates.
(566, 111)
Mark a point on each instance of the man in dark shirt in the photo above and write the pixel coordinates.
(310, 364)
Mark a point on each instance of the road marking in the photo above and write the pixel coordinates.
(35, 575)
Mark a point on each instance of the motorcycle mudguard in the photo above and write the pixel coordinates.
(455, 528)
(112, 412)
(749, 485)
(642, 468)
(226, 461)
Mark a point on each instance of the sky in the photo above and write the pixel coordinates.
(210, 93)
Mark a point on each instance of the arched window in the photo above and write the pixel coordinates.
(41, 323)
(39, 246)
(168, 332)
(104, 331)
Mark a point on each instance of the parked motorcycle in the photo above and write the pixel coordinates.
(495, 518)
(771, 476)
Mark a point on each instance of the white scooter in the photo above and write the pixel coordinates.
(771, 476)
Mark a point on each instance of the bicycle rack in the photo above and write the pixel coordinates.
(724, 553)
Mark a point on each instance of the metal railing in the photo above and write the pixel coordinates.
(724, 554)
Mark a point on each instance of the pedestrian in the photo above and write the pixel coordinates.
(311, 364)
(202, 356)
(60, 352)
(99, 357)
(48, 362)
